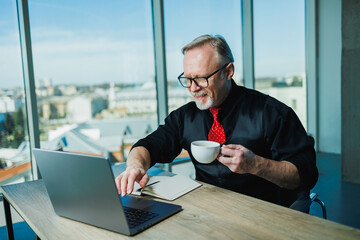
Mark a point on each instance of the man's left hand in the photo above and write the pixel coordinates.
(238, 159)
(241, 160)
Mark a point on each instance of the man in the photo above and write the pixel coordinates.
(266, 152)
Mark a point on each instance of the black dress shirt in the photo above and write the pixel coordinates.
(259, 122)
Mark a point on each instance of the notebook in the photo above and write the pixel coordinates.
(166, 187)
(82, 187)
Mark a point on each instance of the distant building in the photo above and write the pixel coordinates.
(48, 91)
(44, 82)
(139, 100)
(98, 104)
(68, 90)
(112, 138)
(53, 107)
(178, 96)
(84, 108)
(142, 100)
(9, 104)
(45, 88)
(284, 89)
(45, 110)
(16, 164)
(79, 109)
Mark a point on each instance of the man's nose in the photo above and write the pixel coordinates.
(194, 87)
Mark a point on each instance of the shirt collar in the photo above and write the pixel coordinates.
(229, 101)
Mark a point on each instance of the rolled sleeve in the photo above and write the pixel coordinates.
(288, 141)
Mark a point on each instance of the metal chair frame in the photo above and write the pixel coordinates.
(314, 198)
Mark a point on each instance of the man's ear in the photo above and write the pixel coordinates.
(230, 70)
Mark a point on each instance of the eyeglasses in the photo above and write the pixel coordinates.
(201, 82)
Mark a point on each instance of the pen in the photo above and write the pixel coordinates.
(152, 183)
(140, 190)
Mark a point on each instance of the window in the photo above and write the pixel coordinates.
(279, 49)
(94, 66)
(184, 23)
(14, 144)
(94, 72)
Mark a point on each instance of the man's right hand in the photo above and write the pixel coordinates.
(126, 180)
(138, 162)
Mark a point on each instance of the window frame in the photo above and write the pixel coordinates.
(160, 64)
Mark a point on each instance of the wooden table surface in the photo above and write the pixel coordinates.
(209, 213)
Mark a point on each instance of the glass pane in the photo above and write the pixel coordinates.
(279, 48)
(184, 23)
(94, 71)
(15, 163)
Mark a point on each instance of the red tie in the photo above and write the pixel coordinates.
(216, 132)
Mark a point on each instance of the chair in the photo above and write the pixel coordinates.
(314, 198)
(304, 200)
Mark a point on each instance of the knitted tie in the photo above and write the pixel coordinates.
(216, 132)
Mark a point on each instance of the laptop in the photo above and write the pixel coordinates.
(82, 187)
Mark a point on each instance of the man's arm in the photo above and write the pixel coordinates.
(241, 160)
(138, 162)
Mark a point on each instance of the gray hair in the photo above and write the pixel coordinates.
(218, 42)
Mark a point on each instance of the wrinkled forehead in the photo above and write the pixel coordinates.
(200, 60)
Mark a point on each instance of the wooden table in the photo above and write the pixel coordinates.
(209, 213)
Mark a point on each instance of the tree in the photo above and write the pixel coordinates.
(13, 134)
(53, 111)
(296, 82)
(19, 118)
(19, 133)
(9, 124)
(19, 137)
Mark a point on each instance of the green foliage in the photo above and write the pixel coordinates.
(53, 111)
(296, 82)
(9, 124)
(19, 118)
(14, 131)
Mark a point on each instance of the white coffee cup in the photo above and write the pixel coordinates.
(205, 151)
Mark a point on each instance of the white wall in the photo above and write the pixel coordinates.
(329, 70)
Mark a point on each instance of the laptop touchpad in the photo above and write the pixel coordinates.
(135, 202)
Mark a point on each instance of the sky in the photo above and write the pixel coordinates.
(88, 42)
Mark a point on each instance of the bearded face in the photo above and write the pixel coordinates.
(203, 62)
(203, 99)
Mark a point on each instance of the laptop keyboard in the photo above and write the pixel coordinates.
(136, 217)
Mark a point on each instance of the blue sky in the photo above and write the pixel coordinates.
(88, 42)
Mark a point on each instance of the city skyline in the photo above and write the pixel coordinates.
(89, 42)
